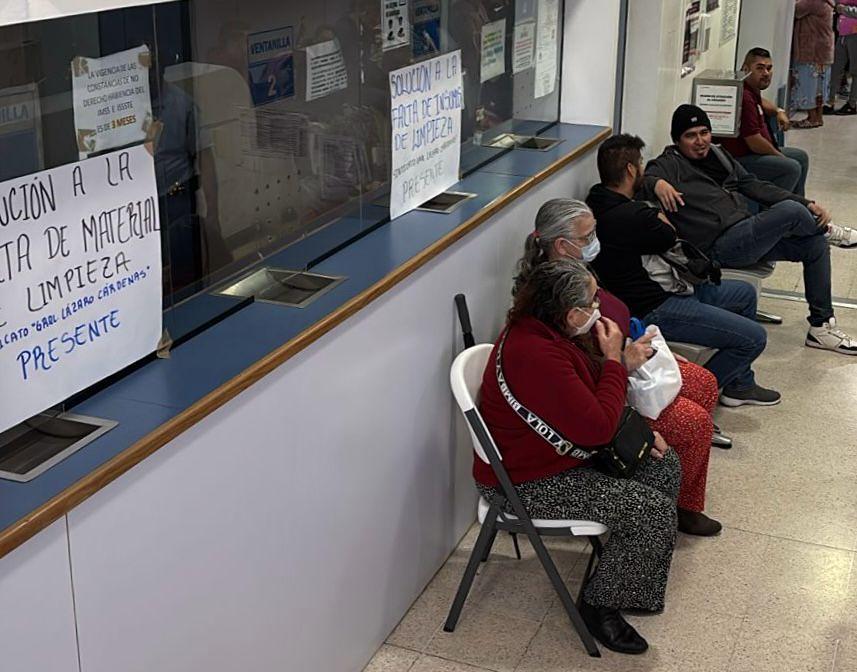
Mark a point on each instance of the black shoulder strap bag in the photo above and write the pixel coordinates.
(619, 458)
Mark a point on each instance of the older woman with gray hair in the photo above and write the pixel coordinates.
(565, 364)
(565, 228)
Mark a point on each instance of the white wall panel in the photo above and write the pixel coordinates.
(36, 608)
(292, 529)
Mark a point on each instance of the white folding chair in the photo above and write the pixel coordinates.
(465, 378)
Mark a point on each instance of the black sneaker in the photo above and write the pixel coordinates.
(846, 111)
(755, 396)
(828, 109)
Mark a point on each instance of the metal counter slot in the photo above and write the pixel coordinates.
(34, 446)
(284, 287)
(531, 142)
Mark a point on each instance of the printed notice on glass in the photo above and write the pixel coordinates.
(426, 101)
(325, 70)
(270, 65)
(396, 29)
(80, 278)
(493, 63)
(721, 104)
(112, 107)
(525, 46)
(728, 21)
(546, 47)
(426, 33)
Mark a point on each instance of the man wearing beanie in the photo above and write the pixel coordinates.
(708, 208)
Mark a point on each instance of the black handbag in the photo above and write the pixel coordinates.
(620, 458)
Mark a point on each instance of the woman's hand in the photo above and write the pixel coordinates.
(639, 352)
(660, 448)
(610, 339)
(679, 358)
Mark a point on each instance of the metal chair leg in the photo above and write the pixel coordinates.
(588, 573)
(489, 546)
(564, 596)
(480, 549)
(515, 542)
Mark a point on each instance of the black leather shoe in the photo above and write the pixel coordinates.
(613, 631)
(698, 524)
(720, 440)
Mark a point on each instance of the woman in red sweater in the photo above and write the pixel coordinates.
(565, 228)
(549, 363)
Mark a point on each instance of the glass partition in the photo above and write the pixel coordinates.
(271, 121)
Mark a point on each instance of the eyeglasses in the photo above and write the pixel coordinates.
(595, 305)
(587, 239)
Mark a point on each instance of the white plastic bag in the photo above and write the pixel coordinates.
(656, 384)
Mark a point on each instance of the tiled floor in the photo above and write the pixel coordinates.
(776, 591)
(832, 182)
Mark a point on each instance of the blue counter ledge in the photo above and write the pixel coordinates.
(156, 393)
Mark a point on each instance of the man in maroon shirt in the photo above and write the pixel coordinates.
(756, 149)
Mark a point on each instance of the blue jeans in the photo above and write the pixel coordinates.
(788, 172)
(717, 316)
(785, 232)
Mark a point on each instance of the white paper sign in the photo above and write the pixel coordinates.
(721, 104)
(426, 102)
(546, 45)
(493, 50)
(728, 21)
(112, 107)
(525, 46)
(395, 26)
(325, 68)
(80, 296)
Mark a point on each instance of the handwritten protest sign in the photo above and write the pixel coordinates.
(80, 278)
(112, 107)
(426, 102)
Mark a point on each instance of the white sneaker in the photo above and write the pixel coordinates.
(829, 337)
(841, 236)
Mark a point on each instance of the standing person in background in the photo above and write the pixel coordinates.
(845, 52)
(812, 55)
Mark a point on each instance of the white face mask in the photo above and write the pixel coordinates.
(587, 327)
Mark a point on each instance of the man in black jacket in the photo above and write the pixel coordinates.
(708, 207)
(633, 234)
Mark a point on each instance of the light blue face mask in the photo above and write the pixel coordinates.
(589, 251)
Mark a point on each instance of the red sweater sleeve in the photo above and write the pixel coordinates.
(554, 387)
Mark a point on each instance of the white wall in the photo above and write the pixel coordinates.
(36, 609)
(590, 46)
(769, 25)
(292, 529)
(653, 83)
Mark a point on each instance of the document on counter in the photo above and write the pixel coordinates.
(546, 47)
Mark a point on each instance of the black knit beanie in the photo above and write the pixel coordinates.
(688, 116)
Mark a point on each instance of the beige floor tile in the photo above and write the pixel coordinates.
(505, 590)
(392, 659)
(808, 591)
(679, 639)
(846, 655)
(485, 639)
(434, 664)
(780, 650)
(716, 574)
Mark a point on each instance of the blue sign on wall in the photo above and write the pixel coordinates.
(270, 65)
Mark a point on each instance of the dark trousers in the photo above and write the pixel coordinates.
(785, 232)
